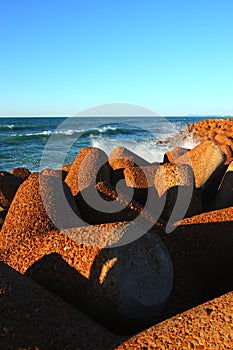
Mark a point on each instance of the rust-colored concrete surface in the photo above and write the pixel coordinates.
(130, 208)
(73, 263)
(67, 167)
(89, 167)
(206, 327)
(216, 216)
(140, 177)
(9, 185)
(104, 280)
(220, 131)
(224, 196)
(228, 152)
(175, 184)
(171, 156)
(121, 158)
(34, 319)
(56, 173)
(171, 175)
(205, 160)
(21, 172)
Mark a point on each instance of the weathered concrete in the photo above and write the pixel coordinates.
(121, 157)
(33, 318)
(140, 177)
(224, 196)
(54, 172)
(21, 172)
(207, 326)
(205, 160)
(175, 187)
(9, 185)
(170, 157)
(123, 288)
(112, 285)
(89, 167)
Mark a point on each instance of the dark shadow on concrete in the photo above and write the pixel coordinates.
(34, 318)
(202, 256)
(211, 188)
(92, 211)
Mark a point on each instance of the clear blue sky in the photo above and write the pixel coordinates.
(61, 56)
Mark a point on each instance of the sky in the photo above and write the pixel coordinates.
(58, 57)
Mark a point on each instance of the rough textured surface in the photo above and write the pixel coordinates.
(201, 249)
(175, 186)
(172, 175)
(9, 184)
(228, 152)
(121, 157)
(103, 205)
(205, 159)
(56, 173)
(129, 209)
(67, 167)
(33, 318)
(197, 274)
(206, 327)
(89, 167)
(170, 157)
(108, 284)
(27, 236)
(27, 215)
(224, 196)
(219, 130)
(224, 215)
(72, 263)
(138, 182)
(21, 172)
(140, 177)
(3, 212)
(118, 181)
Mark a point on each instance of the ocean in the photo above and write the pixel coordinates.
(39, 142)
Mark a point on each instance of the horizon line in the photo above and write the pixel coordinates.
(114, 116)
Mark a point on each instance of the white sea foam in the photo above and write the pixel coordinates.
(147, 149)
(45, 133)
(68, 132)
(50, 132)
(105, 129)
(10, 126)
(189, 142)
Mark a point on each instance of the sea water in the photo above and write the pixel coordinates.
(23, 140)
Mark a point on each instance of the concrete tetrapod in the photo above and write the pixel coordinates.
(89, 167)
(171, 156)
(21, 172)
(224, 196)
(124, 288)
(205, 159)
(175, 183)
(33, 318)
(141, 177)
(8, 187)
(121, 158)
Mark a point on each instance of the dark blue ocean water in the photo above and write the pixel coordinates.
(25, 142)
